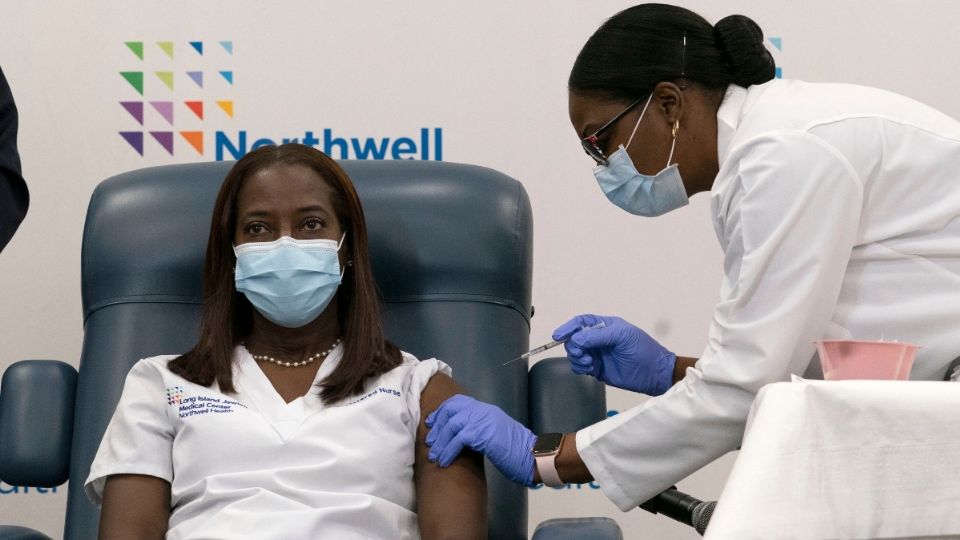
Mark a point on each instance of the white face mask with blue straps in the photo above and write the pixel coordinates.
(641, 194)
(289, 281)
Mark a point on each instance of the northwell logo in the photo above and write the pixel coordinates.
(428, 146)
(174, 88)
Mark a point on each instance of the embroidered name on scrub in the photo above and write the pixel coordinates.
(196, 405)
(378, 391)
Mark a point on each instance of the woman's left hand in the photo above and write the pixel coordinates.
(463, 422)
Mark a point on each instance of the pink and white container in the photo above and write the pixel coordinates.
(843, 359)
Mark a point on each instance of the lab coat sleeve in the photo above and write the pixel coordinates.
(790, 224)
(139, 438)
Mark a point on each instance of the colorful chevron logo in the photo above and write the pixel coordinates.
(175, 99)
(174, 395)
(166, 106)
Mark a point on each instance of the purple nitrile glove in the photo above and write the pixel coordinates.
(617, 353)
(463, 422)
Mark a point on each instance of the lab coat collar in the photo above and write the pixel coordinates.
(728, 119)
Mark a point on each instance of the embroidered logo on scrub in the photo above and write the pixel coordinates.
(197, 405)
(174, 395)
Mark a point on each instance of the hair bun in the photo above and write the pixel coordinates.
(741, 42)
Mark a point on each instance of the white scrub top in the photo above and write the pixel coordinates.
(838, 211)
(249, 465)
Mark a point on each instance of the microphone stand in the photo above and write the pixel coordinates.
(682, 507)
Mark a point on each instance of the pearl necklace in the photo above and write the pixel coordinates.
(273, 360)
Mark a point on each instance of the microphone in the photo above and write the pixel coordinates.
(682, 507)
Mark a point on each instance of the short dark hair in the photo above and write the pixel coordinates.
(643, 45)
(226, 315)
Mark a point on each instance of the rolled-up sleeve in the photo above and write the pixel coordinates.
(418, 375)
(790, 222)
(139, 438)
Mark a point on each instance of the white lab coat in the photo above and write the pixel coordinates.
(249, 465)
(838, 211)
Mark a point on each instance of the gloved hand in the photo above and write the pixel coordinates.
(619, 354)
(462, 421)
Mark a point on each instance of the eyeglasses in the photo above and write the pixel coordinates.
(590, 143)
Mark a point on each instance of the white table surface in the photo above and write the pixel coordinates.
(846, 459)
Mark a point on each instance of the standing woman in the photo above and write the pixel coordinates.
(838, 211)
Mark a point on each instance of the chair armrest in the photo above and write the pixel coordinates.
(597, 528)
(36, 422)
(11, 532)
(562, 401)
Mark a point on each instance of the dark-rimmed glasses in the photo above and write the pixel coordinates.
(589, 143)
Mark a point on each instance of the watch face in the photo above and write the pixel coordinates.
(547, 443)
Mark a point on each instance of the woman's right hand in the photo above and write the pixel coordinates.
(617, 353)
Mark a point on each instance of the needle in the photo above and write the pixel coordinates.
(538, 350)
(552, 344)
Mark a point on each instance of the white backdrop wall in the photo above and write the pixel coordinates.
(486, 80)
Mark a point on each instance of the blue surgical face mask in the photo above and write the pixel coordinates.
(289, 281)
(641, 194)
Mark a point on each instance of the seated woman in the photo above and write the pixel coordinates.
(293, 416)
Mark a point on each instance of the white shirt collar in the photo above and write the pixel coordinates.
(728, 119)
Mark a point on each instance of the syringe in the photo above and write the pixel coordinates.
(551, 345)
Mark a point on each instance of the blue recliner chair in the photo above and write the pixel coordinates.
(452, 255)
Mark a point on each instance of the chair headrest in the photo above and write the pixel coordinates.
(438, 231)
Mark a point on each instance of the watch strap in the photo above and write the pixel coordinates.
(547, 467)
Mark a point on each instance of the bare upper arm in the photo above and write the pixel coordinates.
(451, 502)
(134, 506)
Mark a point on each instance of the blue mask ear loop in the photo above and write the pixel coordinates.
(349, 263)
(644, 111)
(676, 128)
